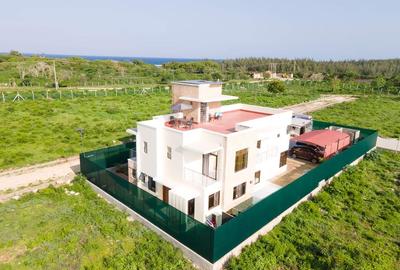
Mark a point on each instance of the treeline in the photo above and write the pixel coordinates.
(305, 68)
(19, 70)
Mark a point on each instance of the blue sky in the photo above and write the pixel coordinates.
(335, 29)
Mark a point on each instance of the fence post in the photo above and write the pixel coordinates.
(33, 95)
(4, 99)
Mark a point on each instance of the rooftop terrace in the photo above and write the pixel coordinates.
(224, 125)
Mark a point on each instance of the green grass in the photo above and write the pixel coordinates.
(353, 224)
(53, 230)
(376, 112)
(258, 95)
(43, 130)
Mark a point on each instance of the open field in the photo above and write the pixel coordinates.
(376, 112)
(43, 130)
(57, 229)
(353, 224)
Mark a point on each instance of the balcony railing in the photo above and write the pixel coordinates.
(198, 179)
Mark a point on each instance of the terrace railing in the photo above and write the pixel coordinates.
(198, 179)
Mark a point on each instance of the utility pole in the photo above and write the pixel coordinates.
(55, 75)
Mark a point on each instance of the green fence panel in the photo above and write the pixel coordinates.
(238, 229)
(193, 234)
(204, 240)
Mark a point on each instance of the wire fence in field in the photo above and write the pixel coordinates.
(294, 87)
(52, 94)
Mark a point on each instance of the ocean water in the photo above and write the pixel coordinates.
(147, 60)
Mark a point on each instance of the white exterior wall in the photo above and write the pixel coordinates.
(266, 130)
(171, 172)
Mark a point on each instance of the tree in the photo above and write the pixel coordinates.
(379, 83)
(276, 87)
(15, 53)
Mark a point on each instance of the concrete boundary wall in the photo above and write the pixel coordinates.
(198, 260)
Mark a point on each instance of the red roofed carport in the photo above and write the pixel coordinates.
(331, 141)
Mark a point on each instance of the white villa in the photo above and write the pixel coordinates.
(207, 160)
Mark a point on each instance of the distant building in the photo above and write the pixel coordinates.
(257, 75)
(279, 76)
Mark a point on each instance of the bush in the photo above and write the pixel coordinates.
(276, 87)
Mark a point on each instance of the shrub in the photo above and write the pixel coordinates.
(276, 87)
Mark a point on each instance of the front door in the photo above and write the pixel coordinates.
(166, 194)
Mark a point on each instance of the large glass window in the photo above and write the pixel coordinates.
(239, 190)
(213, 200)
(241, 159)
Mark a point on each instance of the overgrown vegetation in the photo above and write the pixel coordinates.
(353, 224)
(60, 229)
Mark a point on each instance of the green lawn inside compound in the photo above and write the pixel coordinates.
(55, 229)
(352, 224)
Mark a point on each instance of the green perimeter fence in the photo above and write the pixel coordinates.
(211, 243)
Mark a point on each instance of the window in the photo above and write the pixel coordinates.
(151, 184)
(191, 208)
(169, 152)
(241, 160)
(213, 200)
(239, 190)
(145, 147)
(257, 176)
(142, 177)
(259, 144)
(283, 159)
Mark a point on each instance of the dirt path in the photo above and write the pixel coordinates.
(318, 104)
(14, 183)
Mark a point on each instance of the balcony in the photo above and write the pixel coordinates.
(198, 179)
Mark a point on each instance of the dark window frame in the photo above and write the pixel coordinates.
(241, 159)
(257, 177)
(169, 152)
(283, 158)
(151, 184)
(239, 190)
(191, 207)
(259, 144)
(145, 147)
(214, 200)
